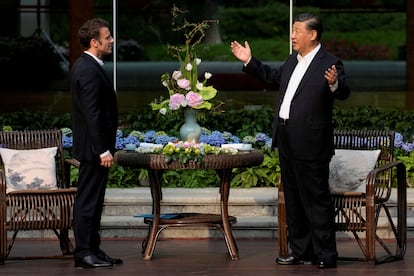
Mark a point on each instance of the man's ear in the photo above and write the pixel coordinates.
(314, 35)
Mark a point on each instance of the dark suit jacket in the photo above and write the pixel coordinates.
(310, 129)
(94, 109)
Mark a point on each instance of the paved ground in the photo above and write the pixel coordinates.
(195, 257)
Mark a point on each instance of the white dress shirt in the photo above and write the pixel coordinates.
(100, 61)
(295, 78)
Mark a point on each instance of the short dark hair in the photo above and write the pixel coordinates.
(312, 23)
(91, 30)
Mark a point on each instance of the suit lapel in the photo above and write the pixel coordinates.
(100, 69)
(289, 67)
(312, 69)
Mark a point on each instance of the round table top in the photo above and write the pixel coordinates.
(210, 161)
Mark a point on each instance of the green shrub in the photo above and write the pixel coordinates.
(238, 122)
(26, 119)
(257, 22)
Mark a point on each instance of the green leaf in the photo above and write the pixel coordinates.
(208, 92)
(205, 105)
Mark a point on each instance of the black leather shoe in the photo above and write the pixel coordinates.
(102, 255)
(289, 260)
(91, 261)
(326, 264)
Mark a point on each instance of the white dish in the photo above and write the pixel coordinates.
(150, 145)
(238, 146)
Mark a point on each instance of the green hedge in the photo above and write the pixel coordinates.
(238, 122)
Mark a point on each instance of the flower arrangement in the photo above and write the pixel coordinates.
(185, 89)
(185, 152)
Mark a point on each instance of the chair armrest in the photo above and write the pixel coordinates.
(382, 189)
(72, 162)
(68, 164)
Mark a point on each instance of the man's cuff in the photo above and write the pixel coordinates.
(334, 86)
(104, 154)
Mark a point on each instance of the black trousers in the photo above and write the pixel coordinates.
(87, 209)
(310, 213)
(309, 209)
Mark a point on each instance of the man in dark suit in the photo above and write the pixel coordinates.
(308, 82)
(94, 123)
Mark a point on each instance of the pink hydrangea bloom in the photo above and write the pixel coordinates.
(176, 101)
(193, 99)
(184, 84)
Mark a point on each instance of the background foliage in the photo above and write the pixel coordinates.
(146, 29)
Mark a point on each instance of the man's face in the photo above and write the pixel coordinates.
(302, 38)
(103, 46)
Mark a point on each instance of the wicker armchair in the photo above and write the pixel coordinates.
(358, 212)
(36, 209)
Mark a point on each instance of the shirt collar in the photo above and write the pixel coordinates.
(309, 57)
(100, 61)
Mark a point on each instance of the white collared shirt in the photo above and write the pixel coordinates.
(100, 61)
(295, 78)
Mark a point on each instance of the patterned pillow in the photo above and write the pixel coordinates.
(29, 169)
(349, 169)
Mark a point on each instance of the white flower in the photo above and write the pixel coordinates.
(199, 85)
(177, 75)
(198, 61)
(165, 83)
(163, 111)
(207, 75)
(189, 67)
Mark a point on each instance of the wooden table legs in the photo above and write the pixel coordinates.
(222, 222)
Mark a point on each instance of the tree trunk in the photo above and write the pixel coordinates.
(79, 12)
(213, 33)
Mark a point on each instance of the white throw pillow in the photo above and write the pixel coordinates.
(349, 169)
(29, 169)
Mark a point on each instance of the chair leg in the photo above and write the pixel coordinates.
(282, 231)
(399, 242)
(3, 245)
(65, 244)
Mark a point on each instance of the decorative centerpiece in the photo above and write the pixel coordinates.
(186, 91)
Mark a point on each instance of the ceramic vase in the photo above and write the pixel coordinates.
(190, 131)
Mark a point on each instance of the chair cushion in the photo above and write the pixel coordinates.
(349, 169)
(29, 169)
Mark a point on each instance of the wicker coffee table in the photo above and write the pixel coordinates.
(156, 165)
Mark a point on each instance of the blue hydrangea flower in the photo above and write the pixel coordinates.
(260, 137)
(150, 136)
(408, 147)
(214, 139)
(398, 140)
(119, 133)
(67, 141)
(122, 141)
(234, 139)
(163, 139)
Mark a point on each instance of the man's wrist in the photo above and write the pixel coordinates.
(247, 62)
